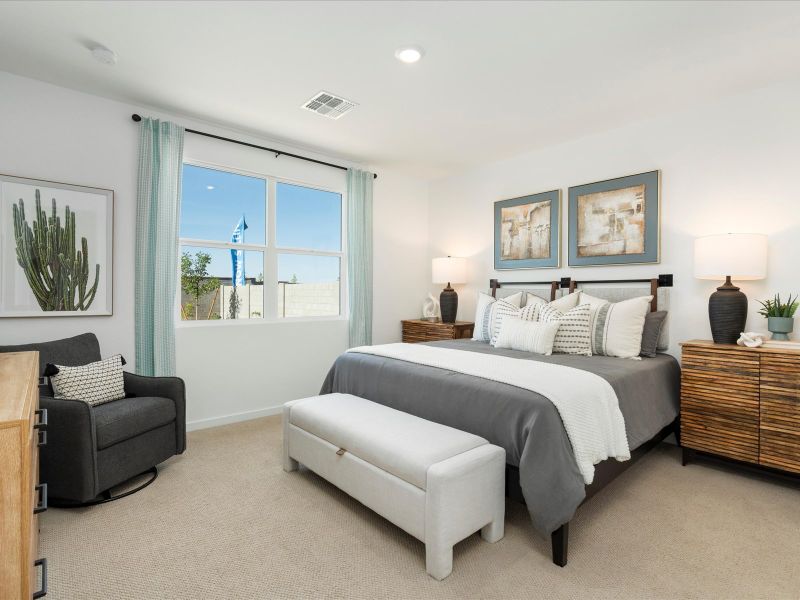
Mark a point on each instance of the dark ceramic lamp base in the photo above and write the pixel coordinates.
(448, 302)
(727, 312)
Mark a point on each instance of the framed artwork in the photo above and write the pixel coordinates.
(615, 222)
(56, 243)
(527, 232)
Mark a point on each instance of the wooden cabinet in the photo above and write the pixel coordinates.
(21, 496)
(742, 403)
(418, 330)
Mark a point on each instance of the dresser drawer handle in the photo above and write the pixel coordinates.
(42, 438)
(41, 492)
(42, 562)
(42, 422)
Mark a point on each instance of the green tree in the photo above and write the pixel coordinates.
(233, 304)
(195, 281)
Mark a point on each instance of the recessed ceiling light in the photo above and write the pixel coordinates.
(209, 187)
(408, 54)
(104, 55)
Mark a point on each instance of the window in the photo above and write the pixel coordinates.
(235, 264)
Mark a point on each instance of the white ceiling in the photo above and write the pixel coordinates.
(497, 79)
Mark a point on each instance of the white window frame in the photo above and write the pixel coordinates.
(270, 252)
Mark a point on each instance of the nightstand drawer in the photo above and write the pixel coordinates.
(731, 362)
(416, 330)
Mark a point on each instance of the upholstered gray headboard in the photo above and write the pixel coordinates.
(613, 290)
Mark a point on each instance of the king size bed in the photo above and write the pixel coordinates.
(542, 469)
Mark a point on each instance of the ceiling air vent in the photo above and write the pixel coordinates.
(329, 105)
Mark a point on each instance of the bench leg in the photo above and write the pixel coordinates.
(494, 531)
(438, 560)
(290, 464)
(560, 540)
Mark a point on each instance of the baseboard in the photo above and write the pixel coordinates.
(234, 418)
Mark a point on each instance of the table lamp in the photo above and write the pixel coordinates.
(742, 256)
(449, 270)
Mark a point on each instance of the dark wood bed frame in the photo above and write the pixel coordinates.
(608, 470)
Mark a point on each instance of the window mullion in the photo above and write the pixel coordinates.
(271, 256)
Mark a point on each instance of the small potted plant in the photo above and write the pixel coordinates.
(780, 316)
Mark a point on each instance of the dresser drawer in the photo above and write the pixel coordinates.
(780, 412)
(739, 363)
(720, 402)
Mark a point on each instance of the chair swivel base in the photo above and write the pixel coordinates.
(107, 496)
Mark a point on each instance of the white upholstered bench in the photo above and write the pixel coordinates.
(437, 483)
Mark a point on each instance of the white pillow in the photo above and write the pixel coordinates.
(573, 335)
(527, 336)
(617, 327)
(499, 311)
(533, 299)
(530, 312)
(568, 302)
(483, 314)
(481, 331)
(595, 303)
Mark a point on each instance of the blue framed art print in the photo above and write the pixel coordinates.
(527, 232)
(615, 222)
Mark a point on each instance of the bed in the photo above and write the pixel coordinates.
(541, 468)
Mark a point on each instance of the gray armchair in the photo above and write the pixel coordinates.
(92, 449)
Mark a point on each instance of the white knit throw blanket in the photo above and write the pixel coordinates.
(586, 402)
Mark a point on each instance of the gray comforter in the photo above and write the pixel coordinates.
(526, 424)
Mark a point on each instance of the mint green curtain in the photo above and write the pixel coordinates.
(157, 217)
(359, 256)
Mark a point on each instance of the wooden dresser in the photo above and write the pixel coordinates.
(22, 430)
(741, 403)
(419, 330)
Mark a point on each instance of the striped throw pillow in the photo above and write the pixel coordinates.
(617, 327)
(499, 311)
(483, 314)
(574, 334)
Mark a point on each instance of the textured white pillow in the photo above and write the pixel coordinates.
(483, 314)
(566, 303)
(533, 304)
(95, 383)
(481, 331)
(528, 336)
(617, 327)
(499, 311)
(573, 335)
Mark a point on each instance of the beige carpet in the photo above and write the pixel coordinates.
(224, 521)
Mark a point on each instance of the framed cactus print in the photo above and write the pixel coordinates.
(56, 249)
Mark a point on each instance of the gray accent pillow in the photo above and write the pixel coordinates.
(653, 324)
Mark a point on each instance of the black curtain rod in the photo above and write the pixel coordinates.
(277, 153)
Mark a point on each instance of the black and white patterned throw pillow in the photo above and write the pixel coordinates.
(95, 383)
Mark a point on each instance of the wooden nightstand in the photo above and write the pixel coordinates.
(741, 403)
(418, 330)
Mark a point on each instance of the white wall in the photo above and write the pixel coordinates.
(730, 166)
(231, 370)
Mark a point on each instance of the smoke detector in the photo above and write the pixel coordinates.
(104, 55)
(329, 105)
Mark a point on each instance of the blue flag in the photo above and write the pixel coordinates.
(237, 256)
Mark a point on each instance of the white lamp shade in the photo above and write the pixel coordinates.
(449, 269)
(743, 256)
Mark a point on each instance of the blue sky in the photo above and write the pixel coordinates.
(214, 201)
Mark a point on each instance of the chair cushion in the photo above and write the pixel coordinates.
(397, 442)
(124, 419)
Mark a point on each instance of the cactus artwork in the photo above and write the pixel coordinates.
(57, 273)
